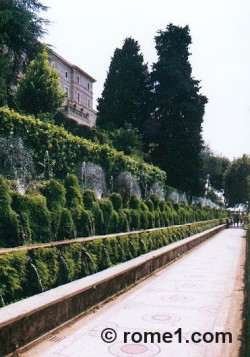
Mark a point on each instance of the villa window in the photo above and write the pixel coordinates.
(67, 92)
(78, 97)
(66, 74)
(78, 79)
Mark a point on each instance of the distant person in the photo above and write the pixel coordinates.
(236, 220)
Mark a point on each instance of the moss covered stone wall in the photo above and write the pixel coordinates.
(28, 272)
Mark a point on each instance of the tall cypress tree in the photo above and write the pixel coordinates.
(126, 89)
(179, 109)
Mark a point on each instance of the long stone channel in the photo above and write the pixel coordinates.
(198, 299)
(24, 321)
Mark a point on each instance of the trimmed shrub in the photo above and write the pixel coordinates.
(9, 229)
(55, 193)
(91, 203)
(126, 246)
(111, 245)
(144, 223)
(108, 215)
(168, 213)
(46, 261)
(151, 242)
(120, 250)
(88, 265)
(12, 276)
(33, 283)
(134, 216)
(98, 218)
(151, 220)
(162, 205)
(67, 228)
(113, 223)
(123, 221)
(89, 199)
(84, 222)
(143, 245)
(104, 261)
(134, 202)
(55, 198)
(83, 219)
(116, 200)
(73, 192)
(132, 248)
(150, 205)
(73, 256)
(157, 219)
(122, 224)
(37, 215)
(175, 217)
(156, 201)
(64, 274)
(24, 228)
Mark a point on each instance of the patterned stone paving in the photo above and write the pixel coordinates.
(194, 293)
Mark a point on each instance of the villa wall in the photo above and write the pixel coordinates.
(79, 87)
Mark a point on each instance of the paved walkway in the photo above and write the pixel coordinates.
(201, 292)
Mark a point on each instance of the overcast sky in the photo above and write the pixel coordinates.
(86, 33)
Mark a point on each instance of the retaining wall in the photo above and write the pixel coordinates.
(29, 319)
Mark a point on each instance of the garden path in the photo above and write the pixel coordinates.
(201, 292)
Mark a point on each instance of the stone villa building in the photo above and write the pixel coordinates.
(78, 85)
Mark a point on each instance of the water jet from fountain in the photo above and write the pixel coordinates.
(16, 162)
(91, 176)
(34, 268)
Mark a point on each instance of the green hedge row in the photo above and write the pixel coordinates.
(57, 211)
(67, 151)
(26, 273)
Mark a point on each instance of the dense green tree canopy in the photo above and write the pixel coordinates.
(40, 91)
(179, 109)
(20, 30)
(125, 96)
(214, 166)
(237, 181)
(128, 140)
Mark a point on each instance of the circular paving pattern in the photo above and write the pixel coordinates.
(134, 349)
(178, 298)
(189, 285)
(160, 318)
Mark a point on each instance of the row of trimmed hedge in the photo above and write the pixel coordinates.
(67, 151)
(56, 211)
(26, 273)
